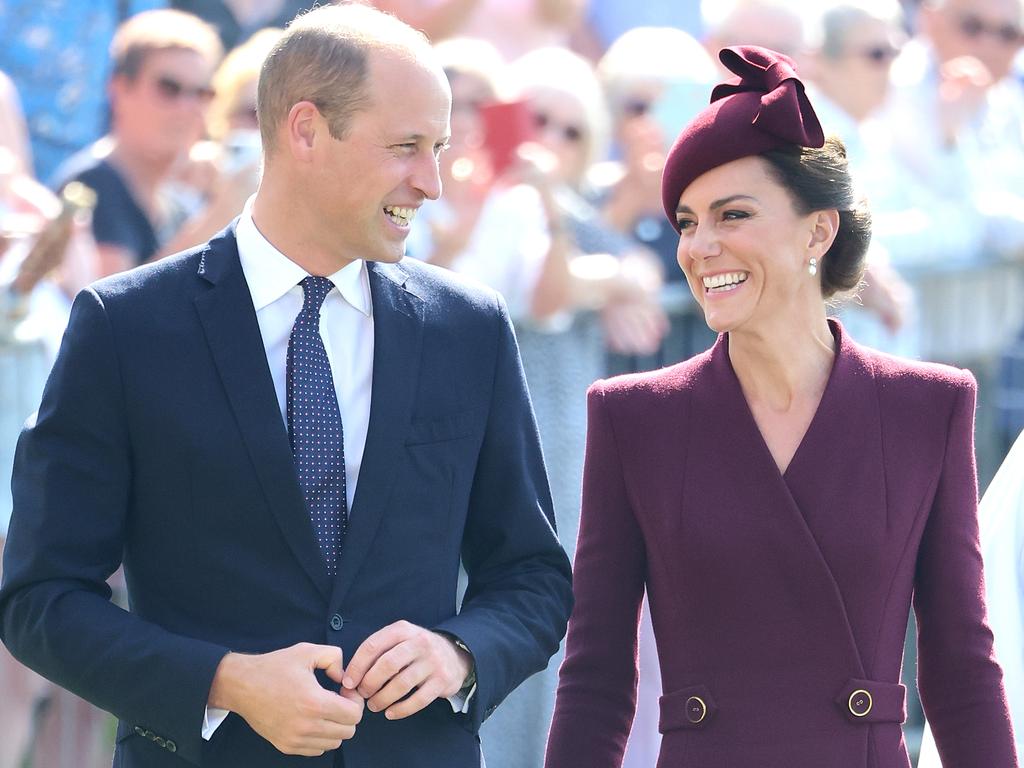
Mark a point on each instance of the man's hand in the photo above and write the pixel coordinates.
(279, 697)
(401, 659)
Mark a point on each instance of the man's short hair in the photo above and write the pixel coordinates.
(323, 58)
(161, 30)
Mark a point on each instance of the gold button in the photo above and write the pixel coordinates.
(696, 709)
(860, 703)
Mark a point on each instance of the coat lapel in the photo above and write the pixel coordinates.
(397, 342)
(837, 480)
(747, 506)
(229, 322)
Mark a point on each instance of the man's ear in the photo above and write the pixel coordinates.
(301, 127)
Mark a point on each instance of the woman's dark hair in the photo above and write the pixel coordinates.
(817, 179)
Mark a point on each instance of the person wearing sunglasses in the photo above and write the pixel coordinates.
(955, 124)
(856, 43)
(162, 65)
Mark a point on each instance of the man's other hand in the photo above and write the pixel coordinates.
(403, 659)
(278, 695)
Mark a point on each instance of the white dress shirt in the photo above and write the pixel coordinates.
(346, 327)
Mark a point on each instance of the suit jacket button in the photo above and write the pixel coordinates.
(140, 730)
(171, 746)
(160, 742)
(337, 622)
(150, 735)
(696, 709)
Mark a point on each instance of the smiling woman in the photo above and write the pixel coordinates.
(783, 498)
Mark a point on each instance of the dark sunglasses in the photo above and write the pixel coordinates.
(636, 107)
(571, 133)
(172, 90)
(974, 27)
(879, 54)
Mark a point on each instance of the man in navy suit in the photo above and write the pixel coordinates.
(290, 440)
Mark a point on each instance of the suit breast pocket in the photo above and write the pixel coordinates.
(439, 429)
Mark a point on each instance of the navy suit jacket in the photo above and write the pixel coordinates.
(160, 444)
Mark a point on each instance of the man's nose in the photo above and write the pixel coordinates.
(427, 177)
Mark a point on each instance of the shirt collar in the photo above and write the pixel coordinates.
(270, 274)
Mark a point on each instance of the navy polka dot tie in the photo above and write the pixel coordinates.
(314, 425)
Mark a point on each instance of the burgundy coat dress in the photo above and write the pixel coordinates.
(780, 601)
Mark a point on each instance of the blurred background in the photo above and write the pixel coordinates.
(128, 132)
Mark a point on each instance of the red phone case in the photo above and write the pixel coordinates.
(506, 126)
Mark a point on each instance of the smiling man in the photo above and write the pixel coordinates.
(290, 440)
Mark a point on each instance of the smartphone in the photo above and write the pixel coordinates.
(506, 124)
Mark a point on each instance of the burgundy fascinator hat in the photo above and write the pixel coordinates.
(764, 108)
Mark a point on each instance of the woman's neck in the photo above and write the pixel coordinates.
(783, 363)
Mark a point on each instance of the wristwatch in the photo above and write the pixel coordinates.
(470, 680)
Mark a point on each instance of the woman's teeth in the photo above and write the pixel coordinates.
(723, 282)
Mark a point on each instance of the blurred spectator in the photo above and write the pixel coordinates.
(647, 74)
(956, 114)
(957, 118)
(776, 24)
(55, 51)
(160, 88)
(222, 172)
(656, 79)
(233, 107)
(238, 20)
(513, 26)
(855, 47)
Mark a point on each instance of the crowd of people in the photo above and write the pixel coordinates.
(128, 132)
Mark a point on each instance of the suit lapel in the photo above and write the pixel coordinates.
(397, 342)
(229, 322)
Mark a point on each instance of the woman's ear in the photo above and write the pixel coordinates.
(824, 228)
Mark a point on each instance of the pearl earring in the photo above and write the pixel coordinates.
(812, 267)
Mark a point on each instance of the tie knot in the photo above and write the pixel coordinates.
(314, 291)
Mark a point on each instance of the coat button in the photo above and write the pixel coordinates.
(160, 742)
(171, 746)
(139, 730)
(337, 622)
(696, 709)
(860, 703)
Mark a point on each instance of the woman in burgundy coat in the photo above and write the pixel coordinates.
(782, 497)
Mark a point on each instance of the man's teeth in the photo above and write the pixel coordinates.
(401, 216)
(724, 281)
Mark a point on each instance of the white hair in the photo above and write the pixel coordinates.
(655, 55)
(559, 69)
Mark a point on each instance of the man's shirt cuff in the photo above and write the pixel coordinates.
(460, 701)
(212, 720)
